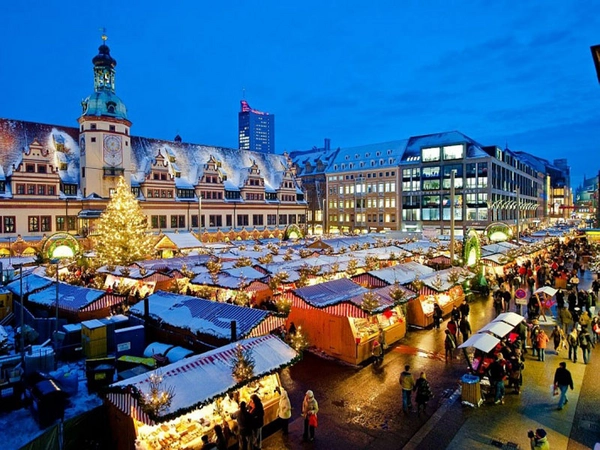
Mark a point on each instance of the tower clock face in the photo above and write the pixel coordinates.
(82, 145)
(113, 153)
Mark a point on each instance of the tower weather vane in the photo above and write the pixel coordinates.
(104, 36)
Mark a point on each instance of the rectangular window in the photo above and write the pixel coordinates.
(411, 214)
(194, 220)
(292, 219)
(162, 221)
(30, 168)
(302, 218)
(228, 220)
(215, 220)
(10, 224)
(46, 223)
(33, 224)
(430, 154)
(42, 168)
(271, 219)
(31, 189)
(41, 189)
(242, 220)
(60, 223)
(51, 190)
(282, 219)
(257, 219)
(453, 152)
(72, 223)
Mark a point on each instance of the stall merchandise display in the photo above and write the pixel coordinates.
(365, 327)
(186, 431)
(391, 318)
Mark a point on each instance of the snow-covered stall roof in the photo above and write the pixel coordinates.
(201, 316)
(421, 247)
(247, 272)
(180, 241)
(213, 369)
(402, 273)
(330, 293)
(165, 265)
(73, 298)
(31, 283)
(384, 296)
(440, 280)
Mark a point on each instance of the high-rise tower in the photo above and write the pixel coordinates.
(256, 129)
(104, 139)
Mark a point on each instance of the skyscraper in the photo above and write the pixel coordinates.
(256, 129)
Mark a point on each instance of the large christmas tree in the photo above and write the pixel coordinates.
(121, 235)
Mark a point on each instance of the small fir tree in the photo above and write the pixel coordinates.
(370, 301)
(121, 236)
(242, 365)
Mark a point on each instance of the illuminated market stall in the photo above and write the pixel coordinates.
(200, 392)
(443, 287)
(334, 318)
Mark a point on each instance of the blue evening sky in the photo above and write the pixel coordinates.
(501, 72)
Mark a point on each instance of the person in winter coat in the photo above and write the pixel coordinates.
(539, 440)
(310, 408)
(465, 328)
(449, 345)
(244, 426)
(585, 342)
(438, 316)
(465, 309)
(535, 330)
(565, 319)
(562, 381)
(455, 314)
(542, 343)
(407, 383)
(284, 411)
(423, 393)
(557, 338)
(497, 374)
(573, 342)
(257, 414)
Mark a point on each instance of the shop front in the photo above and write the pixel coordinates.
(205, 394)
(334, 319)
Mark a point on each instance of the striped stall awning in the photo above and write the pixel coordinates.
(365, 279)
(426, 290)
(129, 405)
(266, 326)
(343, 309)
(256, 286)
(107, 301)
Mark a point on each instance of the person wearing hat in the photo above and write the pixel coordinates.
(310, 408)
(539, 440)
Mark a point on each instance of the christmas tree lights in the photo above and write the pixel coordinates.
(121, 236)
(242, 366)
(159, 397)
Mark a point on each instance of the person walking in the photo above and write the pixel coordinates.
(542, 343)
(220, 439)
(497, 372)
(565, 319)
(257, 414)
(438, 316)
(452, 326)
(465, 309)
(465, 328)
(498, 302)
(535, 330)
(562, 381)
(573, 343)
(423, 393)
(557, 338)
(284, 412)
(407, 383)
(455, 314)
(449, 345)
(515, 377)
(585, 342)
(310, 408)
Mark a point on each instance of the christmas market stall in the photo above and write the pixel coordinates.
(343, 319)
(171, 244)
(75, 303)
(134, 281)
(486, 342)
(402, 274)
(174, 406)
(443, 287)
(200, 324)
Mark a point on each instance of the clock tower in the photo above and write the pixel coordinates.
(104, 140)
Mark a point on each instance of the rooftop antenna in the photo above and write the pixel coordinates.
(243, 93)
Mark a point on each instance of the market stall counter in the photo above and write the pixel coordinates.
(206, 393)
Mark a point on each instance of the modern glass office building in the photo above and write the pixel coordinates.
(256, 129)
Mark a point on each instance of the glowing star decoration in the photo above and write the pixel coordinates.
(122, 236)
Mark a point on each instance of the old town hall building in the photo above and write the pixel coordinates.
(59, 179)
